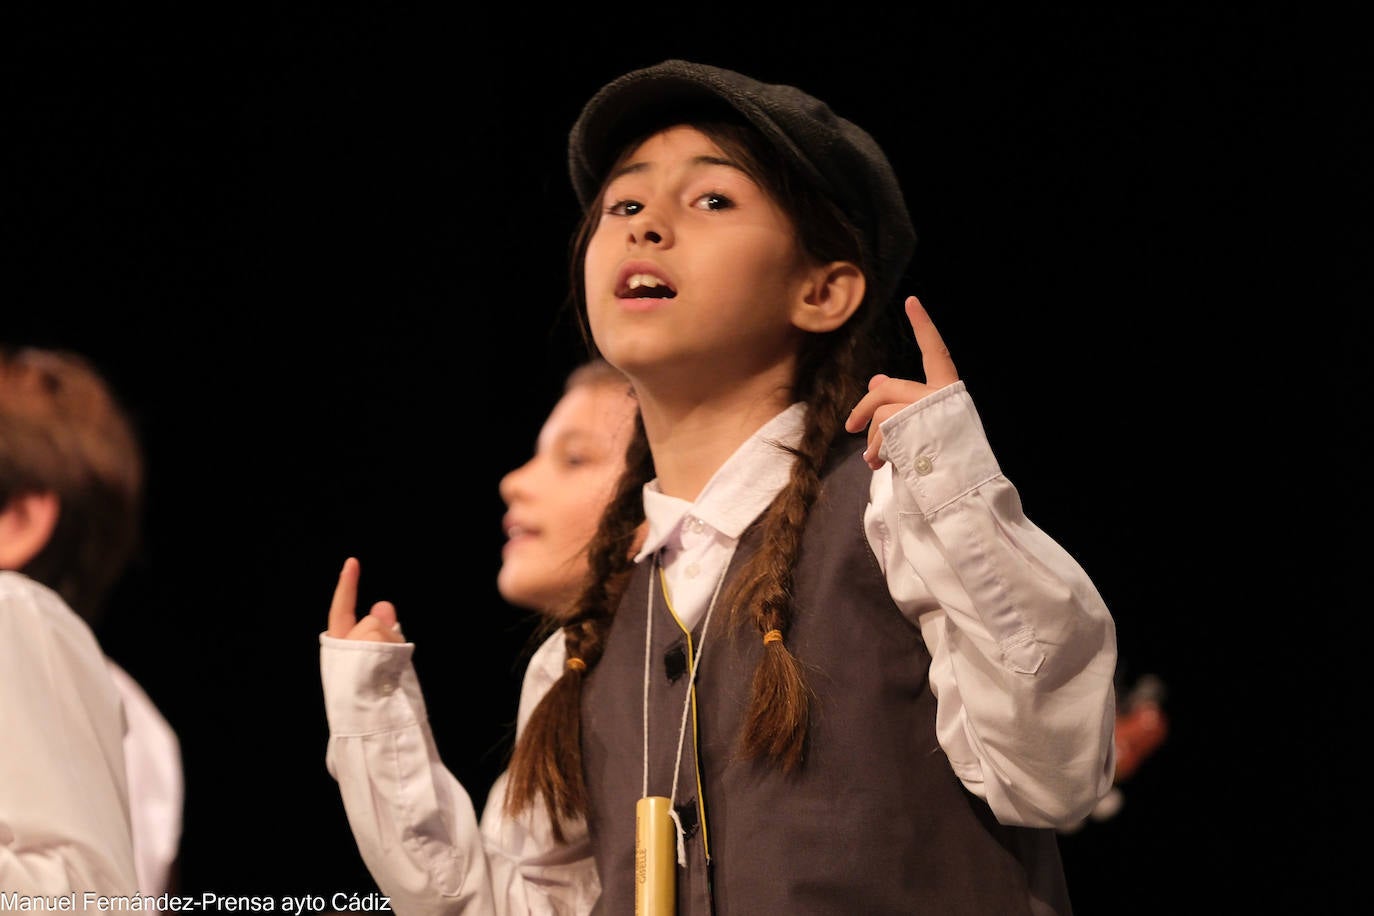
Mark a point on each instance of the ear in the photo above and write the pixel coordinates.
(27, 522)
(830, 294)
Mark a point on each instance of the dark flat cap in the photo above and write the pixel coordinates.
(844, 161)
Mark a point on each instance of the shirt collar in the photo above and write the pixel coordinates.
(738, 492)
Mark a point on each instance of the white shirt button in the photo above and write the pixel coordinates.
(924, 465)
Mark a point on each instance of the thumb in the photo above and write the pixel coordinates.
(384, 612)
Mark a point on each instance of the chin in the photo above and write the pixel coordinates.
(522, 594)
(508, 584)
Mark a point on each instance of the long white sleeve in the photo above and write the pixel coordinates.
(64, 805)
(157, 789)
(414, 823)
(1023, 647)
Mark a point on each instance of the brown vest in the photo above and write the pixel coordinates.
(873, 822)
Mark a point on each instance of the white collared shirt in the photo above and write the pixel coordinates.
(64, 802)
(697, 539)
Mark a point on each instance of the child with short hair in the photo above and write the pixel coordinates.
(91, 788)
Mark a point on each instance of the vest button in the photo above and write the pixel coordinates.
(675, 663)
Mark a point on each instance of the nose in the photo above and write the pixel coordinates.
(512, 485)
(647, 228)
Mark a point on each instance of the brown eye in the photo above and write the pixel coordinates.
(714, 201)
(625, 208)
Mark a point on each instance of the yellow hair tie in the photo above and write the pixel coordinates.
(577, 664)
(772, 636)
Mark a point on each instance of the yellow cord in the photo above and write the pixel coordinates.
(691, 686)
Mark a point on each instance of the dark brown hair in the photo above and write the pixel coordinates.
(62, 431)
(831, 372)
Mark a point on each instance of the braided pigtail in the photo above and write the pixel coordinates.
(547, 761)
(778, 715)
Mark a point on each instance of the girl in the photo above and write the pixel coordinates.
(553, 504)
(861, 677)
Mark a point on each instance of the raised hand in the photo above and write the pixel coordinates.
(379, 625)
(887, 395)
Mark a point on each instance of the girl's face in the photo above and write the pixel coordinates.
(693, 268)
(555, 500)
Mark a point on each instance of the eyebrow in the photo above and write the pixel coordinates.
(696, 161)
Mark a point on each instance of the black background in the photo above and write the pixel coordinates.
(320, 250)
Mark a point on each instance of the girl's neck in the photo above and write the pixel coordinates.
(691, 437)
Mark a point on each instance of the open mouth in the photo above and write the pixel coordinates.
(645, 286)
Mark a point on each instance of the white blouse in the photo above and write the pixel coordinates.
(64, 798)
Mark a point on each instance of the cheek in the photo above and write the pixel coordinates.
(582, 513)
(586, 515)
(597, 264)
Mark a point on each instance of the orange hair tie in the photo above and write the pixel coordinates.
(772, 636)
(577, 664)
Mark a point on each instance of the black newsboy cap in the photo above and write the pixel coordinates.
(839, 156)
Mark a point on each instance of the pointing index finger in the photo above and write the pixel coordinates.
(935, 357)
(342, 610)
